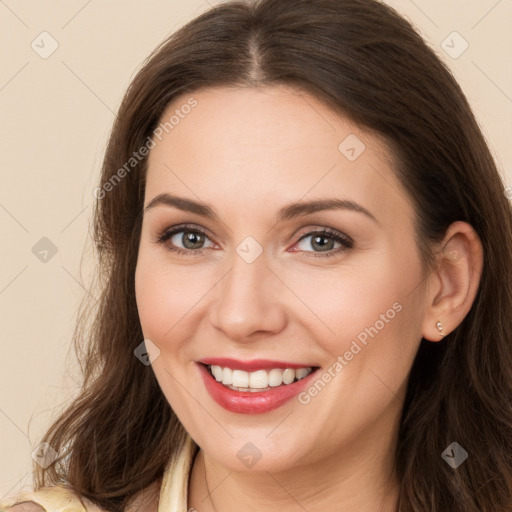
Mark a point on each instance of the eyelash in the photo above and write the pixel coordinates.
(346, 243)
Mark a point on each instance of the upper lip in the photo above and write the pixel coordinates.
(251, 365)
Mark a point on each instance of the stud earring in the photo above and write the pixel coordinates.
(440, 328)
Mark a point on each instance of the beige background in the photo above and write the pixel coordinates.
(56, 113)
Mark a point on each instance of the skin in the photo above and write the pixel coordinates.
(248, 152)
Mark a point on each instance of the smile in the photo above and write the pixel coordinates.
(260, 380)
(253, 387)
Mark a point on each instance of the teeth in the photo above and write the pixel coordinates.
(288, 376)
(240, 379)
(300, 373)
(275, 377)
(258, 380)
(217, 373)
(227, 376)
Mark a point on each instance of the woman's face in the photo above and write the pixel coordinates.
(250, 284)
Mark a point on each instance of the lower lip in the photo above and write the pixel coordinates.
(248, 402)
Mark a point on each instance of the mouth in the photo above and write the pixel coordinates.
(259, 380)
(261, 387)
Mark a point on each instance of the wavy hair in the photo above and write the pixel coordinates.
(368, 63)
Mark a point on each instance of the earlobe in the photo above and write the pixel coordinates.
(454, 283)
(439, 326)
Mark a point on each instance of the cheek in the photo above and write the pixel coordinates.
(167, 298)
(153, 304)
(360, 299)
(368, 321)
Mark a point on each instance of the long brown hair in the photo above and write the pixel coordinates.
(369, 64)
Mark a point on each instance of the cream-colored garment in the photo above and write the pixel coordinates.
(173, 491)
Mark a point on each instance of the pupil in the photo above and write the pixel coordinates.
(323, 247)
(192, 240)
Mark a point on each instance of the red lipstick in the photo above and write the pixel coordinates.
(252, 365)
(248, 402)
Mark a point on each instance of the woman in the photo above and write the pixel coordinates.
(299, 216)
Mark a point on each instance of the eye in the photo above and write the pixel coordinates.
(190, 241)
(324, 242)
(184, 239)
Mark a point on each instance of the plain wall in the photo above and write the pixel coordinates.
(56, 113)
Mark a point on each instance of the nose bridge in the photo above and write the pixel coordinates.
(247, 300)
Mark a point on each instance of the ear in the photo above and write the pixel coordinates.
(452, 287)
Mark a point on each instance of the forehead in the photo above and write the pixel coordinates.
(245, 144)
(274, 117)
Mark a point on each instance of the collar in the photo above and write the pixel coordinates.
(174, 488)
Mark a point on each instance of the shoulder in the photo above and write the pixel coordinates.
(27, 506)
(63, 499)
(56, 498)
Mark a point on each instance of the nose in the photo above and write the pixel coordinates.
(248, 301)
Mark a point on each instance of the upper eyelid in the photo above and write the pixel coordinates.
(183, 227)
(308, 231)
(328, 231)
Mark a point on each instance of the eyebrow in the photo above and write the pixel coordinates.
(287, 212)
